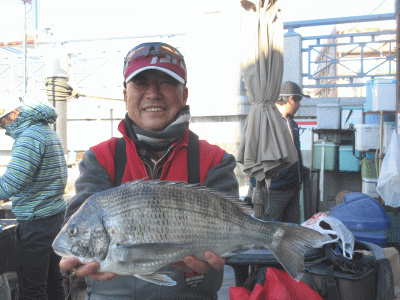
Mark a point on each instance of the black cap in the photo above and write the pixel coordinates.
(290, 88)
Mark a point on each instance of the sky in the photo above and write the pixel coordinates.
(84, 19)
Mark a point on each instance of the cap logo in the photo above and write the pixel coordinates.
(166, 59)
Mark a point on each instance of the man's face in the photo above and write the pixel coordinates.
(3, 121)
(8, 119)
(153, 99)
(293, 106)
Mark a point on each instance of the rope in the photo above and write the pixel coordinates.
(97, 97)
(58, 89)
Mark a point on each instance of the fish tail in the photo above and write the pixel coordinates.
(290, 243)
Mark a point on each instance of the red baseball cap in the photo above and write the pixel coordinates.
(155, 56)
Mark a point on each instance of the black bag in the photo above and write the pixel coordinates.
(250, 266)
(363, 278)
(333, 276)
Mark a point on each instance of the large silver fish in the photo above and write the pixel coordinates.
(142, 226)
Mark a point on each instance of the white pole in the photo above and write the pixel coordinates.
(321, 180)
(24, 49)
(57, 69)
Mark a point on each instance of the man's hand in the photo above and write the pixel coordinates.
(89, 269)
(188, 264)
(191, 263)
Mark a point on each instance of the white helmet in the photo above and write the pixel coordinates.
(8, 103)
(335, 229)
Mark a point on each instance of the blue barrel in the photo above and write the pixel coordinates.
(365, 217)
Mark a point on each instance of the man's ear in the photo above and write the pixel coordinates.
(125, 95)
(185, 95)
(291, 99)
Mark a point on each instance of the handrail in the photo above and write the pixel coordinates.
(341, 20)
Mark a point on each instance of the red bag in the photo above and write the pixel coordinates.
(278, 286)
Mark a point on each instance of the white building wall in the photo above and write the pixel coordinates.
(292, 64)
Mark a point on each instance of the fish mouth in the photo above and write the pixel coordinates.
(61, 251)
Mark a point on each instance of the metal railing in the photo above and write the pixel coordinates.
(347, 59)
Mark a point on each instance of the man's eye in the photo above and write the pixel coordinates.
(168, 82)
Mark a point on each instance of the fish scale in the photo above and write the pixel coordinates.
(143, 226)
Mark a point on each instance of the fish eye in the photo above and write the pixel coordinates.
(73, 230)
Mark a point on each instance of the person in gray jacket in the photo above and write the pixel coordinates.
(156, 133)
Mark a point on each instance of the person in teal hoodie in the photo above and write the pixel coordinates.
(35, 181)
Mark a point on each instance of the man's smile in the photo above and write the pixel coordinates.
(154, 109)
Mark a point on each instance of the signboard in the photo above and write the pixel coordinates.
(305, 127)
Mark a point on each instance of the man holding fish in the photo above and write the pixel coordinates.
(165, 238)
(157, 137)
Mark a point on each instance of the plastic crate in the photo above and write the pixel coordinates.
(367, 136)
(347, 161)
(351, 115)
(368, 168)
(383, 94)
(328, 116)
(330, 155)
(369, 187)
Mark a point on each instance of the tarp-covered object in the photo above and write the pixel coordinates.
(266, 145)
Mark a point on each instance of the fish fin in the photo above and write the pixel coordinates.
(145, 252)
(134, 182)
(160, 278)
(196, 186)
(228, 255)
(290, 243)
(238, 250)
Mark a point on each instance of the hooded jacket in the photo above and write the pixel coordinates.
(36, 175)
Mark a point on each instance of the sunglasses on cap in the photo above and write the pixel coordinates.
(149, 49)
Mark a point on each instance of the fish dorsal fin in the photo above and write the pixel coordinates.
(181, 184)
(134, 182)
(243, 207)
(161, 278)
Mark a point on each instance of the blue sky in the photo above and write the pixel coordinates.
(93, 19)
